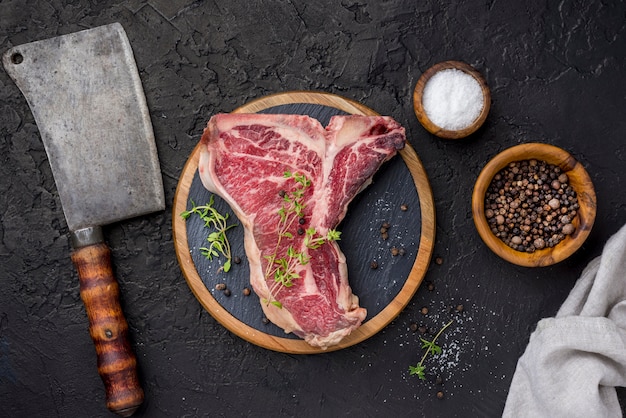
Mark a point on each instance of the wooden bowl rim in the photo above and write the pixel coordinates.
(421, 113)
(580, 182)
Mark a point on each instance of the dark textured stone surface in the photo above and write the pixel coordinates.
(556, 72)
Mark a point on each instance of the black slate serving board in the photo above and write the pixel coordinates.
(391, 198)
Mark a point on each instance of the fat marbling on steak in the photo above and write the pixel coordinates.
(244, 158)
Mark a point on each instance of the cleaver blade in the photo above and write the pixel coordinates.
(88, 102)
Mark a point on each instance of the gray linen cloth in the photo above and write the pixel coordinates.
(574, 361)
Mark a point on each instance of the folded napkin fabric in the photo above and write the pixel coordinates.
(574, 361)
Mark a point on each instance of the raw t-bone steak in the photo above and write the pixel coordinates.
(289, 181)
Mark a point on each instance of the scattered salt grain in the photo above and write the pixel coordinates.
(452, 99)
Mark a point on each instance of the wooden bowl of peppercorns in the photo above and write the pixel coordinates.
(534, 205)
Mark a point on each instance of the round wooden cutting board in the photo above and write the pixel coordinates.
(399, 195)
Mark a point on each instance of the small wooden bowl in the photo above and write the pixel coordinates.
(421, 113)
(579, 180)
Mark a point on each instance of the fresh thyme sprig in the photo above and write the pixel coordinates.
(283, 269)
(218, 242)
(313, 242)
(431, 348)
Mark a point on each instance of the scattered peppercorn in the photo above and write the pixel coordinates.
(395, 251)
(440, 394)
(220, 286)
(401, 251)
(246, 291)
(404, 207)
(430, 286)
(530, 205)
(374, 265)
(384, 228)
(423, 329)
(438, 261)
(265, 320)
(413, 327)
(236, 259)
(459, 308)
(424, 310)
(226, 292)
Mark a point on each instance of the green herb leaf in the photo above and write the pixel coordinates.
(333, 235)
(418, 370)
(431, 348)
(218, 240)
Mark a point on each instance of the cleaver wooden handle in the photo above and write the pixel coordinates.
(117, 363)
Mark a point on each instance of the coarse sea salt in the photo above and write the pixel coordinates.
(452, 99)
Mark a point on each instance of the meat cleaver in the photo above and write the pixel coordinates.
(88, 102)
